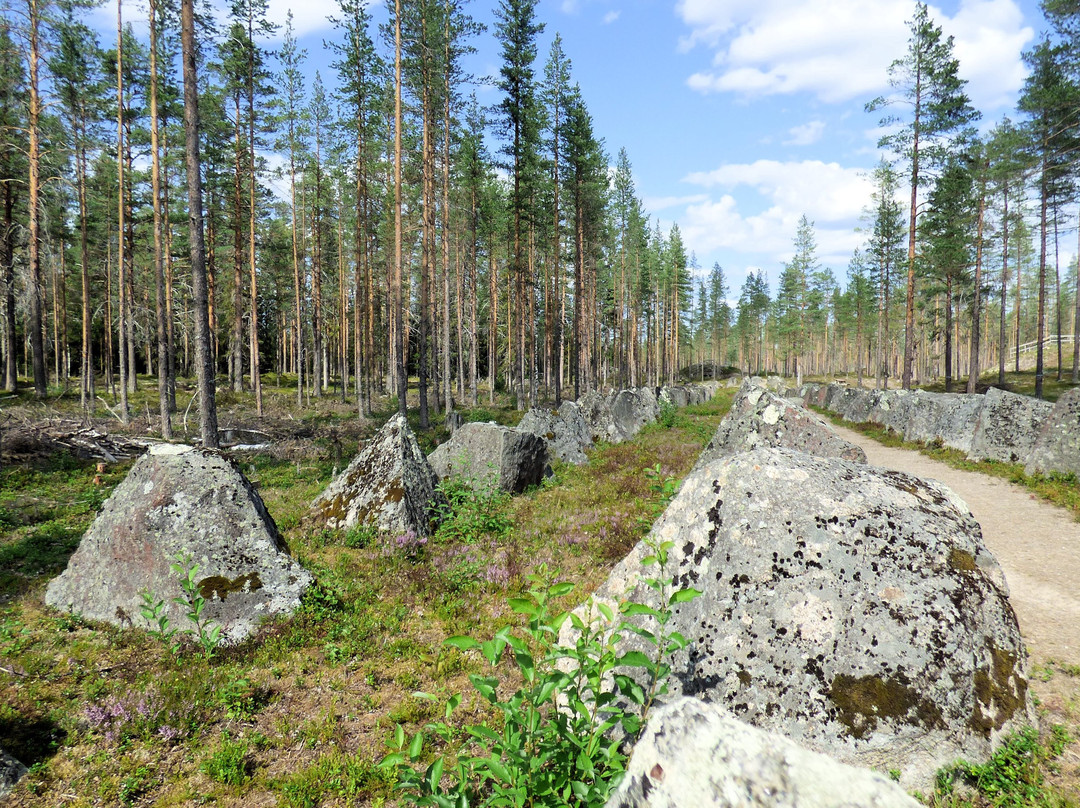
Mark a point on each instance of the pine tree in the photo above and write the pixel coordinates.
(14, 150)
(204, 366)
(517, 29)
(1050, 98)
(927, 78)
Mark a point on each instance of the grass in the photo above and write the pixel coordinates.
(301, 713)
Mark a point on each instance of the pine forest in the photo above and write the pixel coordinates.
(194, 198)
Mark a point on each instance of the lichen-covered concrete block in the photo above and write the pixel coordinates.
(195, 503)
(565, 431)
(1057, 446)
(849, 608)
(758, 418)
(389, 486)
(596, 410)
(697, 754)
(630, 412)
(489, 454)
(1008, 426)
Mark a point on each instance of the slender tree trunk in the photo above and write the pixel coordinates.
(1076, 315)
(159, 263)
(204, 367)
(121, 262)
(1004, 284)
(1041, 326)
(399, 307)
(7, 263)
(253, 326)
(976, 305)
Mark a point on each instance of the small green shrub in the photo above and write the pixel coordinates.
(553, 744)
(1013, 777)
(475, 508)
(668, 411)
(228, 763)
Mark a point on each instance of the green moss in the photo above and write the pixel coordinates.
(865, 700)
(221, 586)
(1000, 691)
(962, 560)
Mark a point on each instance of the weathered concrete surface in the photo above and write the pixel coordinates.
(697, 755)
(759, 418)
(195, 503)
(489, 454)
(1008, 426)
(1057, 446)
(11, 771)
(675, 396)
(564, 429)
(851, 609)
(631, 411)
(947, 417)
(596, 410)
(389, 486)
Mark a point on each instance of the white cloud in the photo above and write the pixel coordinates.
(828, 194)
(841, 49)
(805, 134)
(611, 16)
(652, 204)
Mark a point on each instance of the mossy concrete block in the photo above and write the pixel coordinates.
(758, 418)
(1057, 446)
(11, 771)
(489, 454)
(697, 754)
(388, 486)
(1008, 426)
(852, 609)
(563, 429)
(178, 500)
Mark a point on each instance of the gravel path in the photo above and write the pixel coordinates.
(1037, 545)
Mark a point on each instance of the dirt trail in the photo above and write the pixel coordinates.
(1037, 545)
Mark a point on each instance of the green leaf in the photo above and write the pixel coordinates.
(434, 773)
(461, 643)
(683, 595)
(497, 769)
(523, 606)
(634, 658)
(606, 611)
(560, 589)
(634, 609)
(416, 746)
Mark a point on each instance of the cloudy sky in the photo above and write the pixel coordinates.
(741, 116)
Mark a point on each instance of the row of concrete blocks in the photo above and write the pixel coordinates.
(997, 425)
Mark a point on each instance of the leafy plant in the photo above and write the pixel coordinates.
(228, 763)
(475, 507)
(206, 632)
(556, 743)
(153, 610)
(1013, 777)
(668, 411)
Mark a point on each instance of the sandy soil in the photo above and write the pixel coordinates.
(1037, 545)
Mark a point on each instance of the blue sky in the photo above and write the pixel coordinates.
(739, 117)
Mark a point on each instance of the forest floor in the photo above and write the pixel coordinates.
(301, 714)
